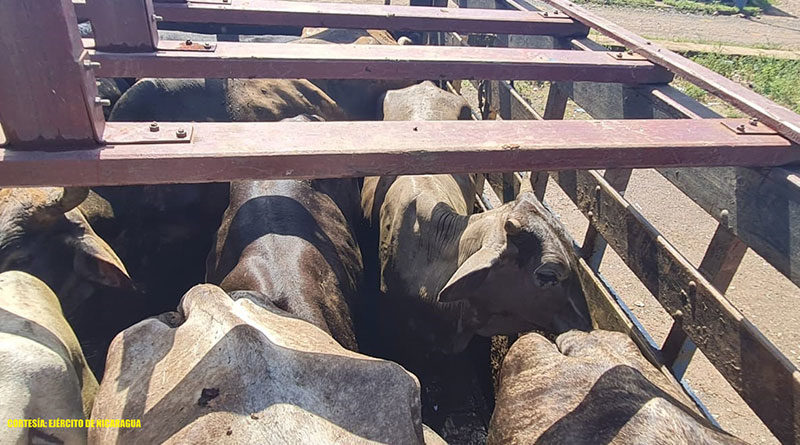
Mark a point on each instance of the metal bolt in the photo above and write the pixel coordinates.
(225, 1)
(678, 315)
(88, 64)
(590, 214)
(181, 133)
(154, 127)
(597, 189)
(157, 18)
(754, 121)
(545, 14)
(207, 45)
(740, 128)
(555, 12)
(103, 102)
(188, 42)
(692, 287)
(629, 52)
(619, 55)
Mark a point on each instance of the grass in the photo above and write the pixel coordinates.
(763, 45)
(724, 7)
(776, 79)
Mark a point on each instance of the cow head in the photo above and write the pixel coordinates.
(42, 233)
(521, 278)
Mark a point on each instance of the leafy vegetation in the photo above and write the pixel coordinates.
(725, 7)
(777, 79)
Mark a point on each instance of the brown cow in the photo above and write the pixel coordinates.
(164, 232)
(43, 233)
(293, 241)
(592, 388)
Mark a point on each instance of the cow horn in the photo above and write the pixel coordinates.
(525, 185)
(59, 201)
(513, 226)
(70, 198)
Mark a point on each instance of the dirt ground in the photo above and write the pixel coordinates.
(763, 295)
(777, 28)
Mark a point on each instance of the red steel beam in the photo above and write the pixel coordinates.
(47, 90)
(289, 60)
(361, 16)
(228, 151)
(772, 114)
(124, 25)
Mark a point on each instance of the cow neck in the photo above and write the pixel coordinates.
(445, 229)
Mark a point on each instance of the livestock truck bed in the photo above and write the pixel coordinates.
(54, 133)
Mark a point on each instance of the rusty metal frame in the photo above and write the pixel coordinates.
(343, 15)
(287, 60)
(251, 60)
(54, 134)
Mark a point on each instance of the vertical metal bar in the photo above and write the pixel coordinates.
(594, 246)
(499, 103)
(556, 104)
(539, 183)
(123, 26)
(554, 109)
(48, 94)
(719, 264)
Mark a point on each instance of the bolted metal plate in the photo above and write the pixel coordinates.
(554, 15)
(147, 133)
(744, 127)
(186, 45)
(625, 55)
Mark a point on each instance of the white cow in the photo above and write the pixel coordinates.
(234, 369)
(43, 373)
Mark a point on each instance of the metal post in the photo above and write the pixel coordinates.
(722, 258)
(123, 26)
(48, 95)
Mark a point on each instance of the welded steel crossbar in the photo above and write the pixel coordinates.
(50, 101)
(344, 15)
(288, 60)
(206, 152)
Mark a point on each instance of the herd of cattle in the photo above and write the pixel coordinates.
(301, 274)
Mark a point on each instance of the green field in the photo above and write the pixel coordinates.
(753, 7)
(776, 79)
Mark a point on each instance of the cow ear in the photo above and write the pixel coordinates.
(469, 275)
(95, 261)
